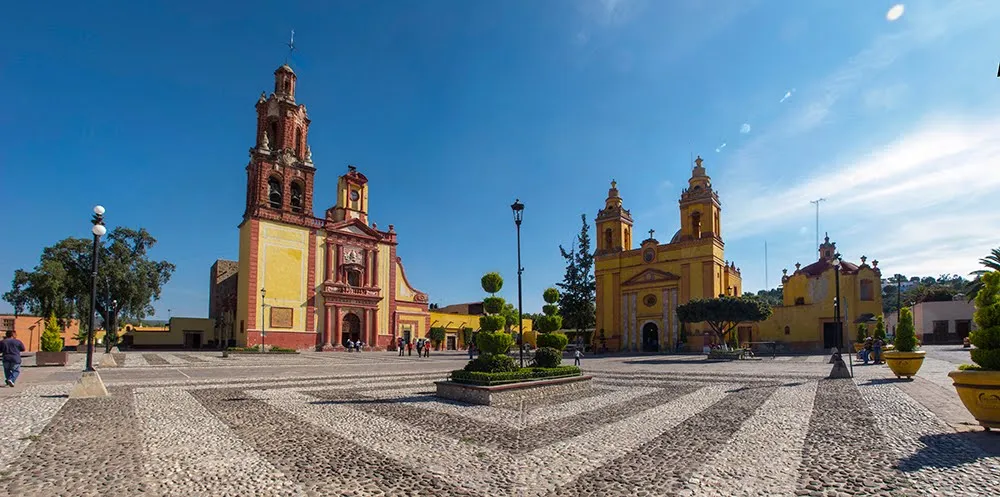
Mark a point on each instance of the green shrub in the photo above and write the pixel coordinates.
(550, 309)
(492, 363)
(493, 305)
(988, 359)
(551, 321)
(987, 316)
(550, 295)
(906, 339)
(436, 334)
(862, 333)
(512, 376)
(547, 357)
(51, 338)
(491, 323)
(466, 334)
(548, 324)
(494, 343)
(556, 341)
(282, 350)
(879, 329)
(491, 282)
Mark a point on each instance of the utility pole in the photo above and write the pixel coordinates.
(816, 202)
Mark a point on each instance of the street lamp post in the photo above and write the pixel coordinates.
(899, 286)
(518, 209)
(98, 230)
(262, 293)
(836, 303)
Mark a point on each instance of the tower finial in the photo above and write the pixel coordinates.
(291, 46)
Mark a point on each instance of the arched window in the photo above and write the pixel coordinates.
(788, 331)
(607, 238)
(274, 192)
(696, 224)
(298, 142)
(288, 85)
(867, 292)
(273, 137)
(354, 277)
(296, 200)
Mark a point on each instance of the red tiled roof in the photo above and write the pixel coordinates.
(817, 268)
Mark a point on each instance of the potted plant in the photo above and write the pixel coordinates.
(905, 359)
(879, 334)
(859, 342)
(979, 385)
(52, 345)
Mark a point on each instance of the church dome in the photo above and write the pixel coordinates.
(677, 237)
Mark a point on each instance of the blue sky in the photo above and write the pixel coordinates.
(454, 108)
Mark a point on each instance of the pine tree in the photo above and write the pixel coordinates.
(576, 305)
(52, 336)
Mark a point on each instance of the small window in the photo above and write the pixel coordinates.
(607, 238)
(296, 200)
(288, 85)
(274, 192)
(273, 138)
(298, 142)
(788, 330)
(940, 327)
(866, 290)
(354, 278)
(800, 301)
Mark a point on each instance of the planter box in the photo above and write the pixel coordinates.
(904, 363)
(51, 358)
(980, 392)
(511, 394)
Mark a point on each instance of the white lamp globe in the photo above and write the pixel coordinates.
(99, 230)
(99, 210)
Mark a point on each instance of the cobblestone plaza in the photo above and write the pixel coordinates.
(369, 424)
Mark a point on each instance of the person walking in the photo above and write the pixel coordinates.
(427, 349)
(11, 349)
(576, 357)
(409, 348)
(877, 346)
(402, 349)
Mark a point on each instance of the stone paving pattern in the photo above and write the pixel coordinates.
(191, 424)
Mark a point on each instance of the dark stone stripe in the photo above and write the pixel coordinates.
(663, 466)
(155, 360)
(190, 358)
(270, 383)
(844, 450)
(90, 447)
(119, 358)
(323, 463)
(501, 437)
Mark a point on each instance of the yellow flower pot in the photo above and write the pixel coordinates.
(904, 363)
(858, 346)
(980, 392)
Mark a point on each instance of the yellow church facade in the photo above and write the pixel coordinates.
(309, 282)
(806, 320)
(639, 288)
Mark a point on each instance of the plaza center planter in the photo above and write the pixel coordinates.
(51, 358)
(904, 363)
(511, 394)
(980, 392)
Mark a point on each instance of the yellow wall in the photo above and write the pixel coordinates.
(172, 335)
(384, 262)
(284, 263)
(452, 323)
(241, 321)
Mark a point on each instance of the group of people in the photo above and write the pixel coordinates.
(356, 346)
(872, 350)
(11, 349)
(422, 345)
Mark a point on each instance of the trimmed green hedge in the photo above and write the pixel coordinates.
(521, 375)
(256, 350)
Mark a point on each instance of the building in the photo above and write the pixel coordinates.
(806, 320)
(639, 289)
(29, 330)
(309, 282)
(946, 322)
(458, 317)
(179, 333)
(222, 301)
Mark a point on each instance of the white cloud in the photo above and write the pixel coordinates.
(895, 12)
(745, 128)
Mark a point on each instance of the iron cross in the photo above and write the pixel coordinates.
(651, 234)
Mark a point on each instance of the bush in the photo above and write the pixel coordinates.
(491, 323)
(491, 282)
(513, 376)
(548, 324)
(987, 316)
(906, 339)
(556, 341)
(547, 357)
(879, 329)
(550, 321)
(466, 334)
(550, 309)
(51, 338)
(492, 363)
(550, 295)
(862, 333)
(494, 343)
(493, 305)
(436, 335)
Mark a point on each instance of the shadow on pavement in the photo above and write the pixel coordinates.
(949, 450)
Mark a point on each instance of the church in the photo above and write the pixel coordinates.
(308, 282)
(639, 288)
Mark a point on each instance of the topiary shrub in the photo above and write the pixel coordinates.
(51, 337)
(493, 305)
(492, 363)
(987, 316)
(551, 321)
(547, 357)
(879, 329)
(437, 335)
(906, 339)
(862, 333)
(491, 282)
(556, 341)
(494, 342)
(491, 323)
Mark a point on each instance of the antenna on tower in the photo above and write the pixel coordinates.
(290, 45)
(816, 202)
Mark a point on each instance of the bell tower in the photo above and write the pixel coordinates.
(700, 207)
(280, 174)
(352, 197)
(614, 224)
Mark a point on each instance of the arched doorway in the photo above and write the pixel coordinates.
(650, 338)
(351, 328)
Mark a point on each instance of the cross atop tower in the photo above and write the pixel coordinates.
(291, 46)
(651, 234)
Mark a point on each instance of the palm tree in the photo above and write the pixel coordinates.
(991, 263)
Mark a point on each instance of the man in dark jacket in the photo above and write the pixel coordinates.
(11, 349)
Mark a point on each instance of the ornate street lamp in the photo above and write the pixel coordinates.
(518, 208)
(98, 230)
(263, 292)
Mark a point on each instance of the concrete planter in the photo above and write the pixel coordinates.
(511, 394)
(51, 358)
(904, 363)
(980, 392)
(858, 346)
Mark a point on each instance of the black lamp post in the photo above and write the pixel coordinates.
(899, 286)
(836, 303)
(262, 333)
(98, 230)
(518, 209)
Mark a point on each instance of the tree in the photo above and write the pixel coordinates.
(436, 334)
(52, 336)
(577, 305)
(550, 321)
(509, 313)
(128, 280)
(905, 339)
(773, 297)
(879, 329)
(992, 263)
(987, 316)
(724, 313)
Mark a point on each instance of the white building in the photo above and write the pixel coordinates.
(939, 322)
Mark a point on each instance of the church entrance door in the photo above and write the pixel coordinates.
(650, 338)
(352, 328)
(830, 336)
